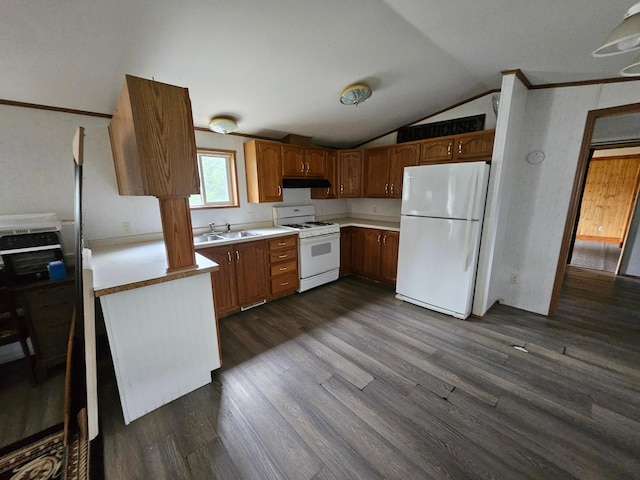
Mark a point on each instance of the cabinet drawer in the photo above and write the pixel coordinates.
(284, 283)
(282, 243)
(284, 268)
(283, 255)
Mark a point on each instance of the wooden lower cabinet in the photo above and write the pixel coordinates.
(225, 291)
(243, 277)
(253, 271)
(372, 253)
(283, 263)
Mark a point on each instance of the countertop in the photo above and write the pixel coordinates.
(128, 266)
(270, 232)
(367, 223)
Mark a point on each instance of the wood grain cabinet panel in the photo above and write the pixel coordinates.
(474, 146)
(314, 161)
(293, 164)
(369, 252)
(263, 164)
(252, 272)
(283, 261)
(350, 171)
(331, 174)
(223, 282)
(407, 155)
(437, 150)
(153, 141)
(377, 163)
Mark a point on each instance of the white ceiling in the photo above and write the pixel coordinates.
(278, 66)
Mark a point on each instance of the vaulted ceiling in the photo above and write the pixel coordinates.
(278, 66)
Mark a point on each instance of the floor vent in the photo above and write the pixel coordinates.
(522, 349)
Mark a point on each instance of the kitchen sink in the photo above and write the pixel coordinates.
(240, 234)
(217, 237)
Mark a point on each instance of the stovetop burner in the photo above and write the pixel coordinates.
(320, 224)
(297, 225)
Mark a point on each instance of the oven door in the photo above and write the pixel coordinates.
(319, 254)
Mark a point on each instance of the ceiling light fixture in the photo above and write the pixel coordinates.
(223, 125)
(355, 94)
(632, 70)
(625, 37)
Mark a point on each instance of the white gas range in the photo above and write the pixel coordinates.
(318, 244)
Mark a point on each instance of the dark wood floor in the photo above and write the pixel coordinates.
(344, 381)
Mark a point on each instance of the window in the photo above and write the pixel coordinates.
(218, 180)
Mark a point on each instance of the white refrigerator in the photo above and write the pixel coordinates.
(440, 227)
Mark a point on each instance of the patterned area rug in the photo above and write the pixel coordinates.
(42, 457)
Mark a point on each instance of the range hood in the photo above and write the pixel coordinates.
(305, 183)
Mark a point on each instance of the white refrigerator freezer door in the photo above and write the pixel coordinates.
(445, 190)
(436, 269)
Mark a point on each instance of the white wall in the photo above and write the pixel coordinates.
(554, 123)
(37, 175)
(479, 106)
(489, 280)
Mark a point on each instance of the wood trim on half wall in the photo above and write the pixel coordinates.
(578, 185)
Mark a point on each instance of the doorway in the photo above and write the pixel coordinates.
(586, 152)
(607, 205)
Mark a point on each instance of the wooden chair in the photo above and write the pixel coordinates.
(12, 327)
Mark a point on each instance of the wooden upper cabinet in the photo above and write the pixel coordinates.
(302, 162)
(377, 163)
(406, 155)
(331, 174)
(474, 146)
(263, 164)
(350, 173)
(437, 150)
(292, 161)
(314, 161)
(153, 141)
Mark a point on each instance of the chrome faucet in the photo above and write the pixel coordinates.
(212, 226)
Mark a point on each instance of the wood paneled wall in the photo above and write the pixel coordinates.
(609, 198)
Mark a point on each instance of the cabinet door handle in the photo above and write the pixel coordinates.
(302, 167)
(279, 190)
(392, 188)
(386, 188)
(379, 238)
(449, 147)
(384, 240)
(284, 269)
(341, 188)
(308, 167)
(229, 256)
(460, 148)
(282, 243)
(237, 256)
(328, 191)
(283, 256)
(284, 284)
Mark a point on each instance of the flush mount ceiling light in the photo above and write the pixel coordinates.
(625, 37)
(223, 125)
(355, 94)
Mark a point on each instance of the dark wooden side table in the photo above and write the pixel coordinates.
(48, 307)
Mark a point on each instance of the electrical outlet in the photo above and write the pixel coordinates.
(251, 216)
(513, 279)
(126, 227)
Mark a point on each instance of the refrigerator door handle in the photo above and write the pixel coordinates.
(470, 209)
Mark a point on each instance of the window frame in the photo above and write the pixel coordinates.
(232, 172)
